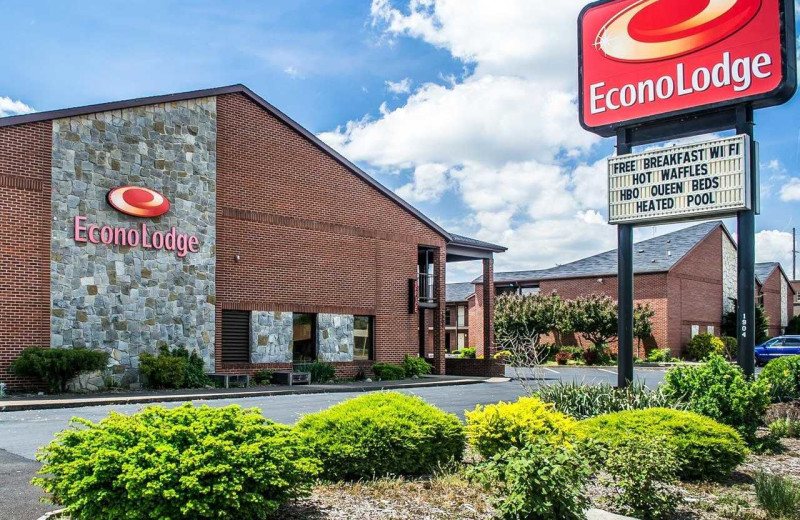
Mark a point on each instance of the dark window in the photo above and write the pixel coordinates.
(304, 344)
(447, 342)
(792, 342)
(509, 289)
(363, 338)
(447, 316)
(235, 336)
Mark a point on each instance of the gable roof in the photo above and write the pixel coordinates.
(764, 270)
(458, 292)
(242, 89)
(654, 255)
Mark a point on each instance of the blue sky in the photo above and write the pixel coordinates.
(464, 107)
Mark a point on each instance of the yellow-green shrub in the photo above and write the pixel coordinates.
(383, 433)
(705, 449)
(494, 428)
(181, 463)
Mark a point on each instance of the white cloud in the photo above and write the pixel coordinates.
(775, 246)
(429, 182)
(293, 72)
(399, 87)
(9, 107)
(504, 137)
(791, 190)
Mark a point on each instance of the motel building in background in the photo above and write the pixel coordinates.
(213, 221)
(687, 276)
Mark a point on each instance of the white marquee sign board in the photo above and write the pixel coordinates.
(698, 180)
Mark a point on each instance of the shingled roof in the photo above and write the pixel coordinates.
(654, 255)
(764, 271)
(458, 292)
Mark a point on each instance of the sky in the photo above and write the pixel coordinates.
(465, 108)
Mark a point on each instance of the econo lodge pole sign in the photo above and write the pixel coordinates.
(655, 70)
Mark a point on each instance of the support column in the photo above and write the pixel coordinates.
(489, 347)
(746, 259)
(624, 287)
(625, 305)
(438, 313)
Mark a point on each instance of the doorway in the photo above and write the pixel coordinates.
(304, 343)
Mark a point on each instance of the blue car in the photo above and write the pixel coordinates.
(777, 347)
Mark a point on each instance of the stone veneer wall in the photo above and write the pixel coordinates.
(785, 303)
(271, 335)
(335, 341)
(729, 274)
(130, 300)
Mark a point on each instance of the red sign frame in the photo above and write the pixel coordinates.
(612, 63)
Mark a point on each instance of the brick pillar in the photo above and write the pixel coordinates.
(438, 313)
(489, 347)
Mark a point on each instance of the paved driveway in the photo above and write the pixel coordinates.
(22, 432)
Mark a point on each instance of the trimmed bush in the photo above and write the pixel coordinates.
(703, 345)
(388, 371)
(785, 428)
(56, 366)
(705, 449)
(719, 390)
(175, 368)
(783, 376)
(182, 463)
(382, 433)
(659, 355)
(539, 481)
(730, 347)
(415, 366)
(495, 428)
(320, 371)
(582, 401)
(563, 357)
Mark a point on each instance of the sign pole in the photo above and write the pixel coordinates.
(624, 287)
(746, 259)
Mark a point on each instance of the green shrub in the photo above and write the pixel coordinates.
(582, 401)
(468, 352)
(494, 428)
(779, 496)
(704, 448)
(659, 355)
(388, 371)
(719, 390)
(56, 366)
(320, 371)
(175, 368)
(262, 377)
(703, 345)
(415, 366)
(383, 433)
(596, 355)
(785, 428)
(539, 481)
(503, 355)
(642, 474)
(182, 463)
(783, 376)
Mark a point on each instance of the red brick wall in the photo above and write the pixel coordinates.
(25, 186)
(771, 289)
(311, 235)
(695, 285)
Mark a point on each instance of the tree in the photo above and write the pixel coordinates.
(730, 327)
(519, 323)
(595, 318)
(642, 324)
(794, 325)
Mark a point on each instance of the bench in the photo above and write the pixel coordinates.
(291, 378)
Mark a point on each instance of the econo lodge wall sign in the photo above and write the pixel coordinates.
(648, 59)
(137, 202)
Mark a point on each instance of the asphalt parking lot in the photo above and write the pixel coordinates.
(21, 433)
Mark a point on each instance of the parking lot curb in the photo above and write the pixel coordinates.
(149, 399)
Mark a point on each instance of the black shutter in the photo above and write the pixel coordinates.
(235, 336)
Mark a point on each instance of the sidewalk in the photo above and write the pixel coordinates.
(37, 402)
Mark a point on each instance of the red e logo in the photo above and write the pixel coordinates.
(138, 202)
